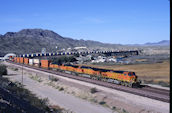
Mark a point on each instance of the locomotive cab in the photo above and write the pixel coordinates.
(134, 79)
(132, 76)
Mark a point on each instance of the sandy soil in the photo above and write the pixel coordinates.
(118, 100)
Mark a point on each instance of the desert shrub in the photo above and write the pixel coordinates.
(148, 81)
(37, 78)
(93, 90)
(113, 108)
(102, 102)
(93, 100)
(20, 95)
(164, 84)
(15, 69)
(44, 101)
(124, 111)
(53, 78)
(61, 89)
(3, 70)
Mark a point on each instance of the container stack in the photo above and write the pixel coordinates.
(45, 63)
(15, 59)
(26, 60)
(36, 62)
(31, 62)
(21, 60)
(18, 60)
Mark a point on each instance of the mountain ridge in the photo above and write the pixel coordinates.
(33, 40)
(161, 43)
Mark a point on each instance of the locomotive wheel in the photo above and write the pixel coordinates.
(122, 83)
(126, 84)
(130, 85)
(104, 80)
(77, 74)
(73, 73)
(94, 78)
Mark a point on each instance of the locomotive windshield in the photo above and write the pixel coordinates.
(131, 74)
(134, 73)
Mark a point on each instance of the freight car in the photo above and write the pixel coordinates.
(124, 78)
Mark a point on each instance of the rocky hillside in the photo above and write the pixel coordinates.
(33, 40)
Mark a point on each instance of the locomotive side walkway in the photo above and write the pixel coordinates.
(134, 100)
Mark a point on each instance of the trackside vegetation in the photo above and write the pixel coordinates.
(63, 59)
(15, 99)
(3, 70)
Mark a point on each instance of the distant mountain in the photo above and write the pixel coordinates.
(33, 40)
(161, 43)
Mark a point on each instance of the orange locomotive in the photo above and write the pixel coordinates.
(118, 77)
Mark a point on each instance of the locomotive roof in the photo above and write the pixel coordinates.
(103, 70)
(95, 69)
(71, 65)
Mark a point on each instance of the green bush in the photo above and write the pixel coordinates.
(102, 102)
(20, 94)
(93, 90)
(113, 108)
(53, 78)
(124, 111)
(61, 89)
(63, 59)
(15, 69)
(3, 70)
(164, 84)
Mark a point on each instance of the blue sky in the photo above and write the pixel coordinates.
(109, 21)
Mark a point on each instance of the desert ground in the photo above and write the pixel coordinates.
(70, 94)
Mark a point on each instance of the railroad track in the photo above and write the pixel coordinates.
(145, 91)
(156, 90)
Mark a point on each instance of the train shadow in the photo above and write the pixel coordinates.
(139, 86)
(142, 86)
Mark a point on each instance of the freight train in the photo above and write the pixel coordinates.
(125, 78)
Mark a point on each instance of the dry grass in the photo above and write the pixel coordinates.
(156, 71)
